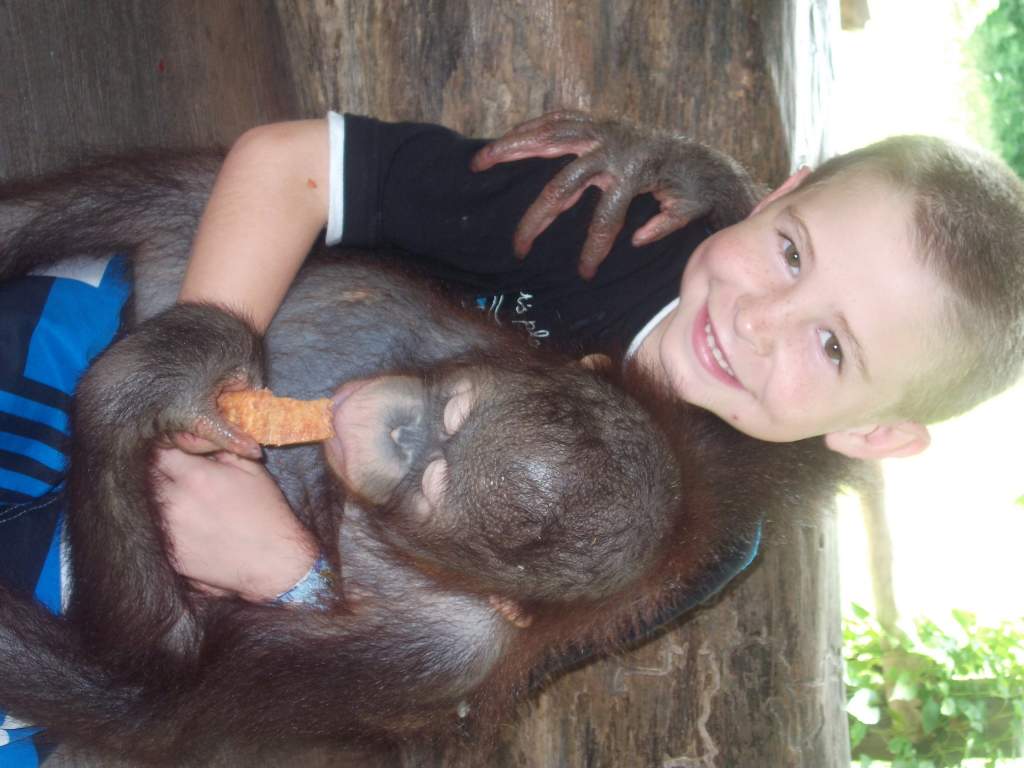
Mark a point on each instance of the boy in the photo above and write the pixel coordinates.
(861, 302)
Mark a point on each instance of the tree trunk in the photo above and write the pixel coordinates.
(876, 530)
(754, 679)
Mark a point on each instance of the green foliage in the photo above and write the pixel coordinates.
(931, 698)
(996, 51)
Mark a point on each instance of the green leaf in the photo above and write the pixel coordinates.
(965, 619)
(900, 746)
(905, 688)
(930, 715)
(975, 712)
(954, 694)
(858, 730)
(995, 50)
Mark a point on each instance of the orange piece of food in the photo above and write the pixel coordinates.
(272, 420)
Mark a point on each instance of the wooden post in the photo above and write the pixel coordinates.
(756, 679)
(85, 77)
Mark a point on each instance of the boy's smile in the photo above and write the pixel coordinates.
(709, 351)
(809, 317)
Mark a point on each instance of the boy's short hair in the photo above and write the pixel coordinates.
(968, 227)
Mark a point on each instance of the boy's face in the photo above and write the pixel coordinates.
(808, 318)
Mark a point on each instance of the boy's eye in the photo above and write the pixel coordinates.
(791, 256)
(833, 351)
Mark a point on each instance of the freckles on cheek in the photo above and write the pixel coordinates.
(790, 403)
(801, 390)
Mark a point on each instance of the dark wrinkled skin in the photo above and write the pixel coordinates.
(412, 641)
(689, 179)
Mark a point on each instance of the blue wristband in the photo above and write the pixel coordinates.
(311, 589)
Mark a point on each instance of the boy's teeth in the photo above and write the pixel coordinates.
(715, 351)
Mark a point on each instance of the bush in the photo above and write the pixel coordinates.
(996, 51)
(930, 699)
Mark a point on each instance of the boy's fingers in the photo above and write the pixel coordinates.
(175, 464)
(234, 460)
(190, 443)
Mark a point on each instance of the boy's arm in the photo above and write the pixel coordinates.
(269, 202)
(231, 529)
(268, 205)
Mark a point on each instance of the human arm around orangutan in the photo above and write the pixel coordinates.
(229, 526)
(412, 187)
(269, 202)
(416, 189)
(267, 208)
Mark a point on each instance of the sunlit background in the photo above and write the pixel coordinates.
(958, 533)
(956, 512)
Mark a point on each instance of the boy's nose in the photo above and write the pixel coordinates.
(759, 320)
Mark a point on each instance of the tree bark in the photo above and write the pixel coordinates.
(756, 679)
(871, 488)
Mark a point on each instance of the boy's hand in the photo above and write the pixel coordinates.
(688, 179)
(230, 528)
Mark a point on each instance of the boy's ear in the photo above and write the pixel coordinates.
(785, 188)
(906, 438)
